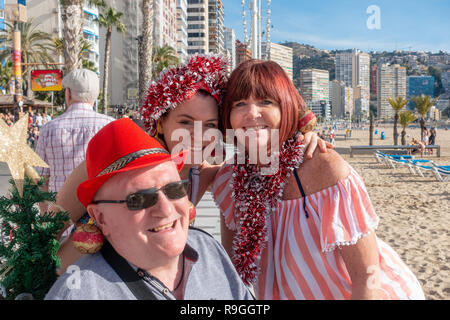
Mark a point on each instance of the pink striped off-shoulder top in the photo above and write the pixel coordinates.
(300, 260)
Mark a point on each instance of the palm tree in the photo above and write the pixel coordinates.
(73, 22)
(58, 44)
(163, 57)
(6, 74)
(371, 128)
(36, 45)
(406, 117)
(145, 49)
(423, 105)
(397, 104)
(109, 20)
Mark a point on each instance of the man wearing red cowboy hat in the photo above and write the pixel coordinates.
(136, 198)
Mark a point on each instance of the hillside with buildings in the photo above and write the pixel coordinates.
(344, 83)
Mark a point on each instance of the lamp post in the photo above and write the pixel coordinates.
(17, 13)
(17, 65)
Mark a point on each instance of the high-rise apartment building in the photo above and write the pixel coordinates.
(243, 53)
(182, 30)
(373, 80)
(47, 18)
(348, 102)
(362, 105)
(230, 46)
(165, 23)
(198, 29)
(216, 26)
(418, 85)
(314, 85)
(315, 90)
(280, 54)
(169, 28)
(391, 84)
(354, 69)
(341, 98)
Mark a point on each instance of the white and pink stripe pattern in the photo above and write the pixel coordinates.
(299, 261)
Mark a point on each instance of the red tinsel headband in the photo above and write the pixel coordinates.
(180, 83)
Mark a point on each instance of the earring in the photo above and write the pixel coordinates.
(192, 213)
(87, 238)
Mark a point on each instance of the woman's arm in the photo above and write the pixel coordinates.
(67, 195)
(362, 262)
(67, 254)
(227, 236)
(67, 199)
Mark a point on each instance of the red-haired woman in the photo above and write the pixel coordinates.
(307, 231)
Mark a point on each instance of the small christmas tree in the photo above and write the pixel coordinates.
(29, 246)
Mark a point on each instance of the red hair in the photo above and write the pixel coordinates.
(264, 79)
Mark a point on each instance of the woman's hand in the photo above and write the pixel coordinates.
(311, 141)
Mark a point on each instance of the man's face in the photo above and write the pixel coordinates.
(150, 236)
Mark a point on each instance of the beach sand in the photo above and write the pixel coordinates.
(414, 211)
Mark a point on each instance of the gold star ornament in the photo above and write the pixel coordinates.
(15, 151)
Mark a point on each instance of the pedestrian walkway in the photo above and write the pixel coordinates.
(208, 216)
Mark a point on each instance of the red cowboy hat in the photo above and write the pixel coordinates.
(121, 146)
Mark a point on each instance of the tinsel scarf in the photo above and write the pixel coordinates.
(256, 196)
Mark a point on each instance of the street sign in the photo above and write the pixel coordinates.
(46, 80)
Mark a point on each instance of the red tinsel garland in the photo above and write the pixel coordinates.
(256, 196)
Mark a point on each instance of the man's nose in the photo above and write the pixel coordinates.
(164, 206)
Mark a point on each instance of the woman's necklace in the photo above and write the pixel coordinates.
(256, 196)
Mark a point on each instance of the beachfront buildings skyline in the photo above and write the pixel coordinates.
(391, 84)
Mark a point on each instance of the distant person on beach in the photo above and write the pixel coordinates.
(425, 137)
(432, 138)
(415, 142)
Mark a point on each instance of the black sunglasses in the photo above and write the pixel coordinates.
(149, 197)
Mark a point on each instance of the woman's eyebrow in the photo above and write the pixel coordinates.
(190, 117)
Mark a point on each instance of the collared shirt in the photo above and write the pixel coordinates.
(63, 141)
(209, 275)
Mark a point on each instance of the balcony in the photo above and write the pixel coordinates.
(91, 27)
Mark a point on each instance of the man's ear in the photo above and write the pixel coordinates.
(97, 215)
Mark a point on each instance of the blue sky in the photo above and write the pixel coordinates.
(342, 24)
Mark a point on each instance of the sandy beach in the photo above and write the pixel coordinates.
(414, 211)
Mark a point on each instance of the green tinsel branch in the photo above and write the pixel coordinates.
(28, 252)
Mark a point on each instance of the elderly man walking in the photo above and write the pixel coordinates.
(62, 142)
(136, 198)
